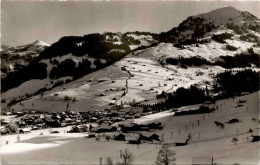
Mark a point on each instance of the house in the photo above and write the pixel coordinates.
(136, 139)
(144, 128)
(54, 132)
(4, 131)
(256, 138)
(91, 135)
(234, 120)
(182, 143)
(104, 128)
(120, 137)
(79, 128)
(147, 136)
(137, 115)
(155, 125)
(25, 130)
(174, 109)
(242, 100)
(130, 127)
(93, 119)
(35, 128)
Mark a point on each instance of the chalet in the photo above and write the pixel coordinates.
(126, 106)
(136, 139)
(104, 128)
(255, 137)
(239, 104)
(91, 135)
(147, 136)
(25, 130)
(79, 128)
(137, 115)
(107, 128)
(130, 127)
(174, 109)
(93, 119)
(144, 128)
(35, 128)
(4, 131)
(68, 120)
(120, 137)
(94, 129)
(234, 120)
(54, 132)
(155, 125)
(63, 124)
(128, 117)
(182, 143)
(4, 122)
(39, 125)
(242, 100)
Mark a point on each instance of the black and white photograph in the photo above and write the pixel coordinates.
(130, 82)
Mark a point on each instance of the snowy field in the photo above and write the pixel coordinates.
(205, 137)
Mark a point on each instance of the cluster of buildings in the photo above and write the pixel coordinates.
(80, 121)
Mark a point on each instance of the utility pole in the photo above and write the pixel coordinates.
(100, 161)
(162, 137)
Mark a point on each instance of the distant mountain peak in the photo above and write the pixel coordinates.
(228, 14)
(197, 26)
(40, 43)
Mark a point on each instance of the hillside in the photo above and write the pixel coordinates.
(98, 71)
(79, 55)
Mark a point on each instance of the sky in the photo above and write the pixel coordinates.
(27, 21)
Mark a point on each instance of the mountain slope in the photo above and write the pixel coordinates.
(114, 69)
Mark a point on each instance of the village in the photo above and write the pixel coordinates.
(138, 129)
(115, 123)
(116, 119)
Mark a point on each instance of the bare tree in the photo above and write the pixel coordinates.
(234, 140)
(165, 156)
(128, 157)
(189, 137)
(109, 161)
